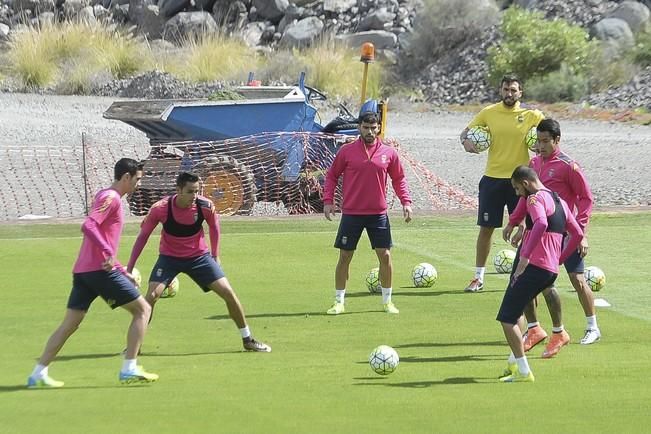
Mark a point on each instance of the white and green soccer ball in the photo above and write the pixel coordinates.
(135, 273)
(384, 360)
(531, 138)
(424, 275)
(503, 261)
(480, 137)
(595, 277)
(172, 289)
(373, 281)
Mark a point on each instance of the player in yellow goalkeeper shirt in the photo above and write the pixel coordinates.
(508, 123)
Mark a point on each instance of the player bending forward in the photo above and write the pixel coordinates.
(536, 266)
(183, 249)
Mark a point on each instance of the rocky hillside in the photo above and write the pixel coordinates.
(456, 77)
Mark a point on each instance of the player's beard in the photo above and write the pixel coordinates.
(509, 101)
(369, 139)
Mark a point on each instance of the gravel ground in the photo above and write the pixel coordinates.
(615, 156)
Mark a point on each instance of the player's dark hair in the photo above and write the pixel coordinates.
(522, 173)
(550, 126)
(369, 118)
(511, 78)
(186, 177)
(124, 166)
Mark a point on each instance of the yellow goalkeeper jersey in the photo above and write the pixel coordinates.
(508, 126)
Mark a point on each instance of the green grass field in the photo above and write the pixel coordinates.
(317, 379)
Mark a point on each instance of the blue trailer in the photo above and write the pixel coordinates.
(266, 145)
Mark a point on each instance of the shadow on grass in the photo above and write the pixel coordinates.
(207, 353)
(295, 314)
(436, 293)
(452, 344)
(22, 387)
(423, 384)
(447, 359)
(86, 356)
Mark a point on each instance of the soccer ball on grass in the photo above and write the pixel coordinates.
(424, 275)
(503, 261)
(373, 281)
(384, 360)
(172, 289)
(480, 137)
(595, 277)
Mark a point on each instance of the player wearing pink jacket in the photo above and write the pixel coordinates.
(561, 174)
(536, 267)
(183, 249)
(365, 166)
(97, 272)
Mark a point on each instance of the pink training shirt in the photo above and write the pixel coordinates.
(542, 248)
(178, 247)
(365, 169)
(561, 174)
(101, 229)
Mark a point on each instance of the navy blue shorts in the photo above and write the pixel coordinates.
(530, 283)
(574, 263)
(203, 269)
(494, 195)
(351, 227)
(113, 286)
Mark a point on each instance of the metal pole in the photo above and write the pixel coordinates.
(83, 171)
(364, 80)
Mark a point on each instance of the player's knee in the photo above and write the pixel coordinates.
(384, 255)
(578, 282)
(222, 288)
(152, 296)
(142, 307)
(345, 256)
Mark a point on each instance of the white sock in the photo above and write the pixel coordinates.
(340, 294)
(592, 322)
(386, 295)
(39, 371)
(129, 365)
(511, 358)
(245, 332)
(479, 273)
(558, 329)
(523, 365)
(531, 325)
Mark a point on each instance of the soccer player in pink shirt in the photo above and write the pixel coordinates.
(536, 267)
(97, 272)
(561, 174)
(183, 249)
(365, 166)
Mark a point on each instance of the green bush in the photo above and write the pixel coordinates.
(534, 47)
(606, 72)
(444, 25)
(561, 85)
(642, 50)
